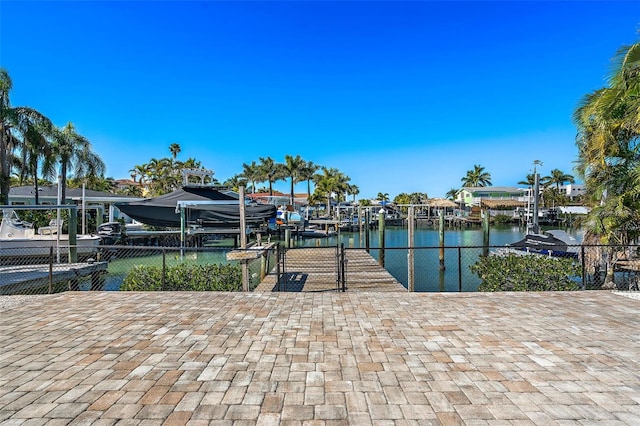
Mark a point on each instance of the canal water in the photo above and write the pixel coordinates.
(464, 249)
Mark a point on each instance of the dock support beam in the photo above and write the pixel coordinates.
(441, 234)
(485, 232)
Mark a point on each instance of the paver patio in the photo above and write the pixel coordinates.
(328, 358)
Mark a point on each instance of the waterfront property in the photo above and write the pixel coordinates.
(473, 196)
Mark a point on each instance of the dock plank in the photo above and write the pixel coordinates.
(315, 269)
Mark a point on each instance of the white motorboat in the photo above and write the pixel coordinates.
(19, 239)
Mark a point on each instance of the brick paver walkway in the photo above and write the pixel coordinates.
(321, 359)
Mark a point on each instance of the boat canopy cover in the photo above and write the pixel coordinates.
(210, 208)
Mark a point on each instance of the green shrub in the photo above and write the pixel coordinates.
(143, 278)
(526, 273)
(501, 219)
(184, 277)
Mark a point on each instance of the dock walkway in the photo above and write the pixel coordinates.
(18, 278)
(315, 269)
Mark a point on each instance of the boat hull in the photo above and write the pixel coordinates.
(555, 243)
(41, 246)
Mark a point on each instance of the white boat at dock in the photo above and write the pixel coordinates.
(19, 239)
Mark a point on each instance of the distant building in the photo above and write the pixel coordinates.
(124, 183)
(474, 196)
(573, 190)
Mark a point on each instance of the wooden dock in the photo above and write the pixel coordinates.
(21, 279)
(316, 269)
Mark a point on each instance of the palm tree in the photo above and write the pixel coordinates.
(174, 148)
(235, 182)
(608, 159)
(529, 181)
(36, 148)
(15, 123)
(252, 173)
(139, 170)
(452, 194)
(74, 154)
(306, 173)
(269, 170)
(557, 177)
(476, 177)
(353, 190)
(330, 181)
(291, 169)
(383, 197)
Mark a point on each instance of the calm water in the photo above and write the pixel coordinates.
(428, 277)
(427, 274)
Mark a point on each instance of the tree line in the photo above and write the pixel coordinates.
(31, 144)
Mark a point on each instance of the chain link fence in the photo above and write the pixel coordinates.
(41, 270)
(34, 270)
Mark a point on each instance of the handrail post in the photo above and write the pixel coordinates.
(460, 269)
(164, 269)
(50, 269)
(584, 270)
(339, 268)
(344, 273)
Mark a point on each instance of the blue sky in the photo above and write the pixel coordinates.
(400, 96)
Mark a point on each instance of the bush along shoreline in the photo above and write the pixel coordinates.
(184, 277)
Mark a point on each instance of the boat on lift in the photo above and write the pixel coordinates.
(18, 238)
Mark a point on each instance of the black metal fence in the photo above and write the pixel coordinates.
(274, 268)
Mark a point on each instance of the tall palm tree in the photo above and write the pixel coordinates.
(477, 177)
(75, 154)
(270, 172)
(383, 197)
(36, 152)
(291, 170)
(353, 190)
(15, 123)
(558, 178)
(306, 173)
(330, 181)
(252, 173)
(174, 148)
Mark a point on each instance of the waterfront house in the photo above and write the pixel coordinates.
(474, 196)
